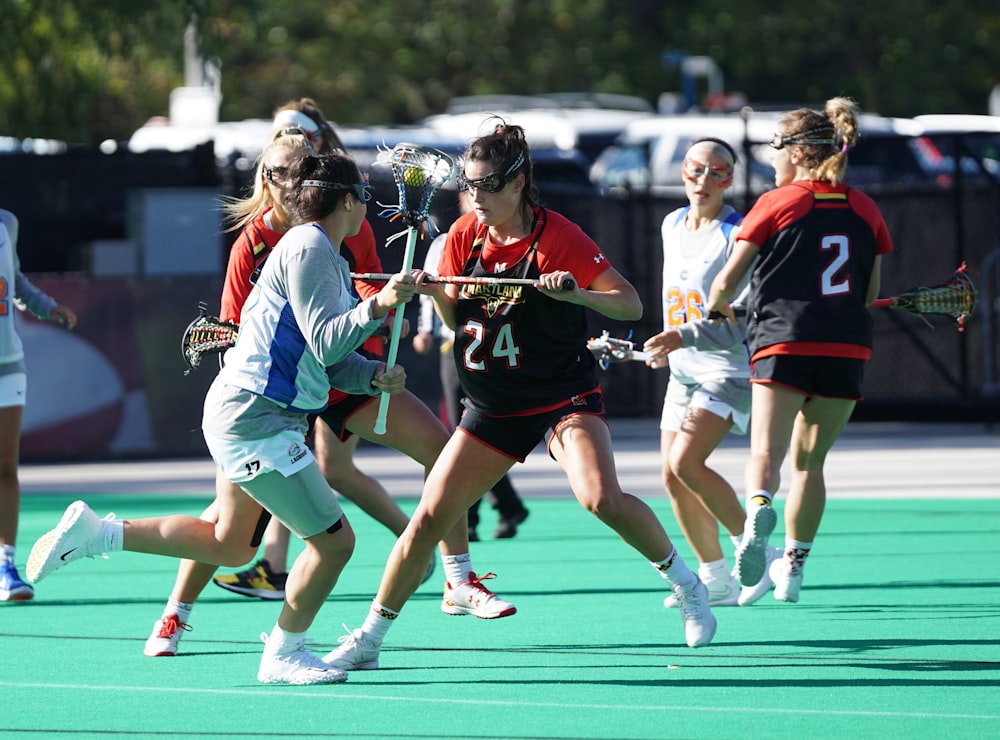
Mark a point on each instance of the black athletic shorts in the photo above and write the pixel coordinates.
(831, 377)
(337, 414)
(517, 436)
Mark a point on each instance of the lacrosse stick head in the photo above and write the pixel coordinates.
(205, 335)
(419, 172)
(955, 298)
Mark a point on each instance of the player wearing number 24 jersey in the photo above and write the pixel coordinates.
(494, 324)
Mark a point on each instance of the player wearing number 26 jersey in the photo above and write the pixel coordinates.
(818, 245)
(517, 350)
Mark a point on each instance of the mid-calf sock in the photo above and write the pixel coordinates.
(796, 552)
(457, 568)
(378, 622)
(715, 570)
(180, 608)
(759, 498)
(7, 553)
(674, 571)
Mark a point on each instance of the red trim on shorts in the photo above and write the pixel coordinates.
(815, 349)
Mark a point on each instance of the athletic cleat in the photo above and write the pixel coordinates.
(751, 556)
(430, 569)
(12, 588)
(507, 525)
(354, 654)
(721, 591)
(258, 580)
(786, 584)
(750, 594)
(294, 664)
(77, 535)
(699, 622)
(167, 633)
(472, 597)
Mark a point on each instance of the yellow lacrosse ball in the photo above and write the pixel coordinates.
(413, 176)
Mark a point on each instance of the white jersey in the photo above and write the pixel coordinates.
(16, 292)
(301, 318)
(712, 350)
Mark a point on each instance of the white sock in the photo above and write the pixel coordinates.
(180, 608)
(673, 569)
(6, 553)
(112, 535)
(279, 638)
(737, 540)
(758, 498)
(457, 568)
(715, 570)
(378, 622)
(796, 552)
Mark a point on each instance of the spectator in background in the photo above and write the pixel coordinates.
(16, 291)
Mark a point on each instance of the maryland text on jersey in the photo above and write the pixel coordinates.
(495, 298)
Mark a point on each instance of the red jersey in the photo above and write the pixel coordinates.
(517, 350)
(818, 244)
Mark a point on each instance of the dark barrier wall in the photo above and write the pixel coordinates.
(116, 388)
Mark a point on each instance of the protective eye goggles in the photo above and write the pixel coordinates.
(493, 182)
(362, 190)
(276, 175)
(779, 141)
(719, 174)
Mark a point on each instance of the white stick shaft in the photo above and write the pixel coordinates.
(397, 329)
(458, 279)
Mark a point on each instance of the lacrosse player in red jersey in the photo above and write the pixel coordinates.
(818, 246)
(525, 370)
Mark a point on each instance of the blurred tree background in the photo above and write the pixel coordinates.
(88, 70)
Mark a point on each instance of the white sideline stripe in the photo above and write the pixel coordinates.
(506, 704)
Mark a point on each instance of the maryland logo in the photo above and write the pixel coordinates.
(495, 298)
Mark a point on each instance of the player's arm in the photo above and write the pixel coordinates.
(609, 294)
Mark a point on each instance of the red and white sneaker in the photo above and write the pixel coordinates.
(472, 597)
(166, 634)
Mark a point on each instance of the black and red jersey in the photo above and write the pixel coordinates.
(518, 351)
(818, 244)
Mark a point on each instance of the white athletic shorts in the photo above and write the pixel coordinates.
(281, 474)
(729, 398)
(13, 389)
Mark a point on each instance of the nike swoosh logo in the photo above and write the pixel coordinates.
(65, 554)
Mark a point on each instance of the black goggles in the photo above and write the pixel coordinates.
(493, 182)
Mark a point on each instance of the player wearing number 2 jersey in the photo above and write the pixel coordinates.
(820, 246)
(526, 372)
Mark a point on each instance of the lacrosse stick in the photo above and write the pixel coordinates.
(419, 173)
(955, 298)
(205, 335)
(608, 349)
(377, 277)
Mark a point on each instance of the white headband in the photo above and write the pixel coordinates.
(289, 118)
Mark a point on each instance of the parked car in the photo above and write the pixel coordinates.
(975, 138)
(649, 154)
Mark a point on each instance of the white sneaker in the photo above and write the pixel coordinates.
(721, 591)
(354, 654)
(750, 594)
(786, 583)
(166, 634)
(294, 664)
(77, 535)
(699, 622)
(472, 597)
(751, 556)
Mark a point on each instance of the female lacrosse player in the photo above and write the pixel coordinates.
(818, 246)
(708, 394)
(15, 290)
(299, 329)
(525, 369)
(412, 428)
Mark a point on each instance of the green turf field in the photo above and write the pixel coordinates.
(897, 635)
